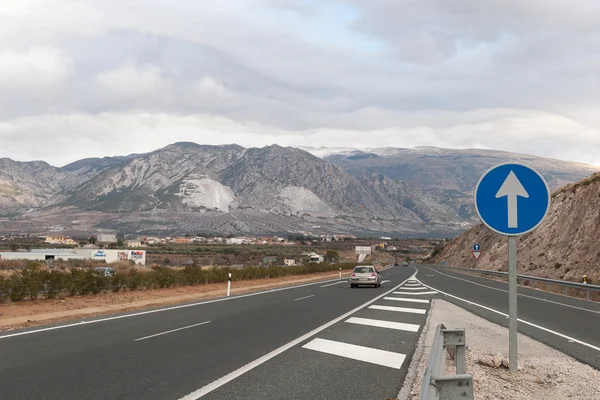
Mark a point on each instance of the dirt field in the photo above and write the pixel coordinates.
(34, 313)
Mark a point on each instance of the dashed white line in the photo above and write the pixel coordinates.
(414, 293)
(305, 297)
(407, 300)
(384, 324)
(399, 309)
(335, 283)
(171, 331)
(361, 353)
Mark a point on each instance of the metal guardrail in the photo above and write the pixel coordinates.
(566, 284)
(436, 384)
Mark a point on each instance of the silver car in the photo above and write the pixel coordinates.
(365, 275)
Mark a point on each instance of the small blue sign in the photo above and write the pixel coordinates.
(476, 247)
(512, 199)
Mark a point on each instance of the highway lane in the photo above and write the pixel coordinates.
(577, 319)
(365, 356)
(107, 359)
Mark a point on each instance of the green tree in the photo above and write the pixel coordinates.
(120, 243)
(408, 259)
(14, 247)
(332, 255)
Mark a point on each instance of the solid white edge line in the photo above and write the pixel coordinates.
(378, 323)
(355, 352)
(250, 366)
(171, 331)
(305, 297)
(163, 309)
(421, 301)
(399, 309)
(518, 294)
(591, 346)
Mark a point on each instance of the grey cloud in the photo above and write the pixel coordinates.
(512, 75)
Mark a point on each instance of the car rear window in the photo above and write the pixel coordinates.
(363, 270)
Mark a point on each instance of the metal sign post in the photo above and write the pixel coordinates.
(512, 199)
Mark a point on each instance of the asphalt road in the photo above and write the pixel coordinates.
(567, 324)
(273, 345)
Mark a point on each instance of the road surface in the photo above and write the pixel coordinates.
(567, 324)
(295, 343)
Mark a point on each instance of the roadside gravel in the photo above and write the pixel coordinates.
(544, 373)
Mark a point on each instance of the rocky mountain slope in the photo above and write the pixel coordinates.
(565, 246)
(447, 175)
(223, 189)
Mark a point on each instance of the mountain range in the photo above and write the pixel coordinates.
(229, 189)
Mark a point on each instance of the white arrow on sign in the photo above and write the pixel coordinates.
(512, 188)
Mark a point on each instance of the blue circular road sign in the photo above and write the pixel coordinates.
(512, 199)
(476, 247)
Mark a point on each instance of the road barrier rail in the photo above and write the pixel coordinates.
(436, 385)
(566, 285)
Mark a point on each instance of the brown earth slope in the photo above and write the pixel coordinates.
(565, 246)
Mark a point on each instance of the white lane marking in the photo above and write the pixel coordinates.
(414, 293)
(172, 330)
(520, 294)
(361, 353)
(384, 324)
(81, 323)
(591, 346)
(407, 300)
(305, 297)
(412, 284)
(248, 367)
(335, 283)
(382, 282)
(413, 281)
(399, 309)
(413, 288)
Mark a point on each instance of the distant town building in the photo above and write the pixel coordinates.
(60, 240)
(133, 243)
(106, 238)
(288, 262)
(137, 256)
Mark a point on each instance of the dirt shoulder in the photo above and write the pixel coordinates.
(544, 373)
(34, 313)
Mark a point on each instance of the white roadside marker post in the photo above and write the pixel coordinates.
(340, 272)
(229, 285)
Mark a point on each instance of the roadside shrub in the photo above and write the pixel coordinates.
(163, 277)
(32, 278)
(133, 280)
(17, 288)
(4, 289)
(55, 282)
(118, 282)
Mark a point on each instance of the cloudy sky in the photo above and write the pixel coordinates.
(85, 78)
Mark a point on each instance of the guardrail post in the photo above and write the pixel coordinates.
(455, 339)
(454, 387)
(566, 291)
(587, 295)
